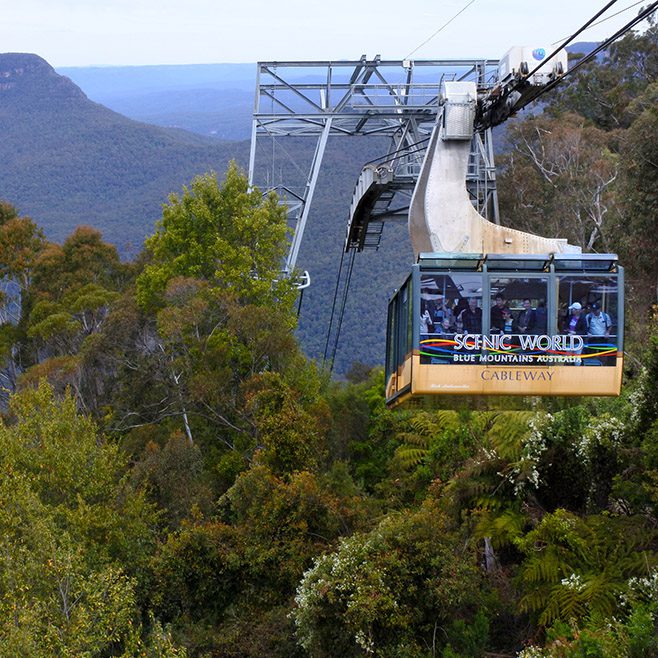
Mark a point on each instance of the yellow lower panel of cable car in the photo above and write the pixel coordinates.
(415, 379)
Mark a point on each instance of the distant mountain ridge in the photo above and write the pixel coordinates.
(66, 160)
(18, 71)
(209, 99)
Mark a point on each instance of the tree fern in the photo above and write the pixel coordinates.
(423, 427)
(544, 567)
(409, 456)
(502, 528)
(564, 603)
(577, 567)
(416, 439)
(508, 431)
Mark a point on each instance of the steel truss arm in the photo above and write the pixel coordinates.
(319, 99)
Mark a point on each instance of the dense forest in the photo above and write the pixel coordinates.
(180, 480)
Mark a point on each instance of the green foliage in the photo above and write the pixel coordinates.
(197, 572)
(631, 635)
(21, 242)
(418, 439)
(502, 461)
(151, 641)
(83, 259)
(216, 578)
(75, 540)
(363, 430)
(287, 522)
(638, 189)
(173, 478)
(576, 567)
(228, 235)
(602, 92)
(72, 292)
(286, 428)
(467, 639)
(387, 592)
(557, 169)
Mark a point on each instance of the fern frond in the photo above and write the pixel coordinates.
(534, 600)
(544, 567)
(599, 592)
(413, 439)
(564, 603)
(508, 432)
(408, 456)
(447, 420)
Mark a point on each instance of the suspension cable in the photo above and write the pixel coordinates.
(333, 307)
(607, 18)
(463, 9)
(342, 311)
(405, 150)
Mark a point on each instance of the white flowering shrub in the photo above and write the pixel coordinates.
(348, 583)
(637, 399)
(532, 652)
(526, 470)
(604, 432)
(383, 593)
(644, 588)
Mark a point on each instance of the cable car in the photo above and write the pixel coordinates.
(510, 324)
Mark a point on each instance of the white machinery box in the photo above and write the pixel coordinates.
(521, 60)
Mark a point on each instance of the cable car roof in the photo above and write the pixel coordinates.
(475, 262)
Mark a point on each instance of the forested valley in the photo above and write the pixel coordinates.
(178, 479)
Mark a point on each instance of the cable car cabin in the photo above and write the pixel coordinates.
(492, 324)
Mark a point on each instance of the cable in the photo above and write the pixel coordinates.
(463, 9)
(333, 307)
(342, 311)
(389, 157)
(607, 18)
(602, 46)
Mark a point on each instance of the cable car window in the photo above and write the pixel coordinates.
(450, 309)
(391, 328)
(518, 305)
(588, 310)
(404, 322)
(518, 321)
(409, 326)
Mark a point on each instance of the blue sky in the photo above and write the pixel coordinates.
(137, 32)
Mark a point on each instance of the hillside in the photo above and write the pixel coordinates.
(65, 160)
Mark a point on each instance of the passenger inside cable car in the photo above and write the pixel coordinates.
(507, 324)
